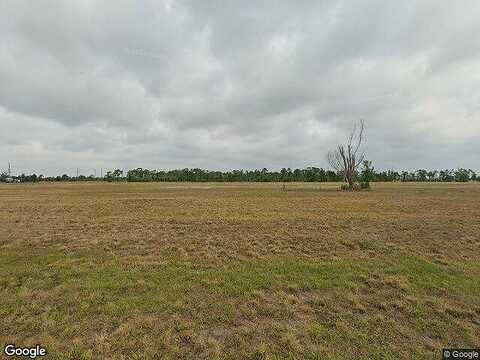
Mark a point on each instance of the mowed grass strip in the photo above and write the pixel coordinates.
(297, 308)
(206, 291)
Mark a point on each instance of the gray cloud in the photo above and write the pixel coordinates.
(232, 84)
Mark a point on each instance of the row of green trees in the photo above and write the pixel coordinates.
(264, 175)
(309, 174)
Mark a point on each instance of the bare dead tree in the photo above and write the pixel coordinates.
(347, 158)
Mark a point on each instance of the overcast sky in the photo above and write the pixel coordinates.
(237, 84)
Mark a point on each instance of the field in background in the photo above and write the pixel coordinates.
(178, 270)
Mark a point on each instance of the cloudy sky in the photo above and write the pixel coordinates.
(237, 84)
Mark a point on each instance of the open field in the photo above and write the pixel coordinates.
(200, 271)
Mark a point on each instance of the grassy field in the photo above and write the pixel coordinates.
(239, 271)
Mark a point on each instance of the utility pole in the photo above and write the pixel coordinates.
(101, 173)
(9, 169)
(77, 173)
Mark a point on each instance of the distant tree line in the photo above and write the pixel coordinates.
(264, 175)
(309, 174)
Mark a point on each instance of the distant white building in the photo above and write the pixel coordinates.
(10, 179)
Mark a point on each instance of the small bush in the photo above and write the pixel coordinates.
(354, 187)
(365, 185)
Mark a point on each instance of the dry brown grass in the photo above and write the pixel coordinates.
(175, 270)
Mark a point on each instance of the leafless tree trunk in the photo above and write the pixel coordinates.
(346, 158)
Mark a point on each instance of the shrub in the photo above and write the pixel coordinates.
(365, 185)
(354, 187)
(366, 174)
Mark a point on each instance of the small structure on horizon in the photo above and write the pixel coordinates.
(9, 178)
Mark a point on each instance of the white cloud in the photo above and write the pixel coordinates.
(236, 84)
